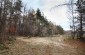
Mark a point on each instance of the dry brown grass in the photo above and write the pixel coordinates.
(41, 46)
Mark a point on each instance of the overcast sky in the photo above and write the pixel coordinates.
(57, 15)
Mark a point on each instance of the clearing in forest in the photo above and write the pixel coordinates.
(45, 46)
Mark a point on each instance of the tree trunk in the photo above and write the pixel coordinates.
(81, 28)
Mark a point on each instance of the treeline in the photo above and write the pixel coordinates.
(35, 24)
(78, 20)
(15, 21)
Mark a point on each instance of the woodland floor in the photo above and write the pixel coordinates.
(45, 46)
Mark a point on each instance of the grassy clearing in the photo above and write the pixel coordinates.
(41, 46)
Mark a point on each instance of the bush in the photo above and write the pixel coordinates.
(2, 47)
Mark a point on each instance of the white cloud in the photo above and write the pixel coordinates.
(57, 15)
(50, 3)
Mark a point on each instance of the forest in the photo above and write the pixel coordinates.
(29, 32)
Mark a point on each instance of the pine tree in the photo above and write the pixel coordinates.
(81, 11)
